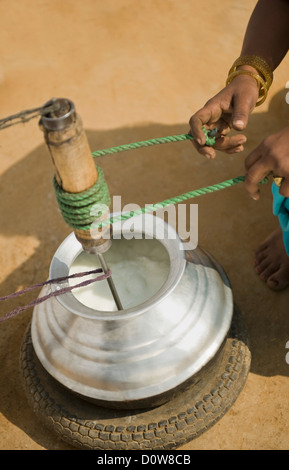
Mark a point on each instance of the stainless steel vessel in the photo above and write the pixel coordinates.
(122, 358)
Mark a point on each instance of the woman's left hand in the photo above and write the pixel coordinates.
(271, 156)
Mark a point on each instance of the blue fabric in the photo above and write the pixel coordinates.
(281, 210)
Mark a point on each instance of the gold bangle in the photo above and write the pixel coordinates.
(262, 67)
(263, 90)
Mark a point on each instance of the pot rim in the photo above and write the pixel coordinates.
(145, 224)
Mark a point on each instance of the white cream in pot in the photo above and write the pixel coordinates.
(139, 269)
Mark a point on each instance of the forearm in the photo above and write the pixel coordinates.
(267, 33)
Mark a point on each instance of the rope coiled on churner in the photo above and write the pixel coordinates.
(78, 209)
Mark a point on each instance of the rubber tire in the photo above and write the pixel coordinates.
(184, 417)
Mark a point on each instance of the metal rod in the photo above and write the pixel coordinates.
(110, 282)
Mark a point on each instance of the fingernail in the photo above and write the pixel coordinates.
(255, 196)
(274, 281)
(239, 123)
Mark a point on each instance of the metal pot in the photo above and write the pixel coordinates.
(141, 355)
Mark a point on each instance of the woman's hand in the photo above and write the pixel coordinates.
(272, 155)
(230, 108)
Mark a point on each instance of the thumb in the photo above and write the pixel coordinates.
(241, 111)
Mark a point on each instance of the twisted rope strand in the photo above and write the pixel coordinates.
(147, 143)
(174, 200)
(27, 115)
(55, 293)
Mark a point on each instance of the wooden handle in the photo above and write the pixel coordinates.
(75, 169)
(70, 152)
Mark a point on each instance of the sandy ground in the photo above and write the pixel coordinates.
(136, 70)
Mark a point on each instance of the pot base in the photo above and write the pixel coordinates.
(184, 417)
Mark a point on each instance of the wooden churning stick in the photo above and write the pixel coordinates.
(75, 171)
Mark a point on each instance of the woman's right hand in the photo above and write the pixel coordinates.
(230, 108)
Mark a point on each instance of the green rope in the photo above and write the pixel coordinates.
(210, 140)
(88, 222)
(80, 210)
(174, 200)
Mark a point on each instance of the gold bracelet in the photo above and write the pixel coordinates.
(262, 67)
(263, 90)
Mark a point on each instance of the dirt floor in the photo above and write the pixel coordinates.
(137, 70)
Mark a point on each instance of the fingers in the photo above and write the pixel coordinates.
(260, 164)
(205, 150)
(209, 116)
(284, 188)
(196, 125)
(270, 157)
(252, 179)
(212, 116)
(230, 145)
(197, 122)
(229, 108)
(253, 157)
(244, 100)
(218, 113)
(255, 176)
(241, 111)
(257, 169)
